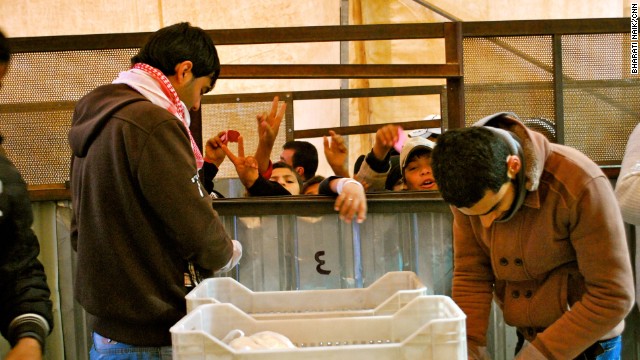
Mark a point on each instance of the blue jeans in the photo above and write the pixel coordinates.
(602, 350)
(612, 349)
(107, 349)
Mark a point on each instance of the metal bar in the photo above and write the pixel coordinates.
(558, 88)
(396, 202)
(244, 97)
(368, 92)
(364, 129)
(545, 27)
(585, 84)
(37, 107)
(568, 84)
(344, 59)
(235, 37)
(444, 112)
(357, 255)
(289, 118)
(329, 33)
(455, 87)
(326, 33)
(324, 94)
(334, 71)
(51, 192)
(521, 54)
(438, 10)
(391, 202)
(78, 42)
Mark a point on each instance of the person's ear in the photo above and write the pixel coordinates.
(300, 171)
(514, 165)
(184, 71)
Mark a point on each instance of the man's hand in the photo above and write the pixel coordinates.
(246, 167)
(268, 128)
(351, 200)
(26, 349)
(386, 136)
(336, 153)
(213, 152)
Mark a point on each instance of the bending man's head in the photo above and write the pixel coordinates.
(468, 163)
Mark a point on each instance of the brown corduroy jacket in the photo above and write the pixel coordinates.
(560, 268)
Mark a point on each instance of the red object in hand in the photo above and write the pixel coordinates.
(230, 136)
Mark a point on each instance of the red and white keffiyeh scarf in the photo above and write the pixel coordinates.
(154, 85)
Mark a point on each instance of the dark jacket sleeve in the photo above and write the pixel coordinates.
(25, 307)
(264, 187)
(325, 189)
(207, 174)
(380, 166)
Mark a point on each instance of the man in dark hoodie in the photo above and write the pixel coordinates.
(143, 227)
(25, 308)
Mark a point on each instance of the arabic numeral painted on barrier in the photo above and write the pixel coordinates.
(321, 262)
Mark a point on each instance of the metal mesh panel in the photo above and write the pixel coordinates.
(240, 116)
(601, 97)
(61, 76)
(508, 74)
(37, 143)
(37, 100)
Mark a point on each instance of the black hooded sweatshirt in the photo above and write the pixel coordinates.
(140, 216)
(23, 283)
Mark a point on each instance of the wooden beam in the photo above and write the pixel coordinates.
(235, 37)
(340, 71)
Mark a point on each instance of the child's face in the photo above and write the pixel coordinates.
(286, 178)
(312, 189)
(418, 175)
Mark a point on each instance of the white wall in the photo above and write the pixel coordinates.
(65, 17)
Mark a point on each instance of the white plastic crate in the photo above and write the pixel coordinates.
(427, 328)
(385, 296)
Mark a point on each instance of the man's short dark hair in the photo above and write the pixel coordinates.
(305, 155)
(467, 162)
(174, 44)
(5, 50)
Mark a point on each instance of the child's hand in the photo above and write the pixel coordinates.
(246, 167)
(386, 136)
(213, 152)
(336, 154)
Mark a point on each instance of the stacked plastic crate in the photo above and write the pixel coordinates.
(393, 318)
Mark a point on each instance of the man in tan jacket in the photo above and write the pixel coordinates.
(537, 228)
